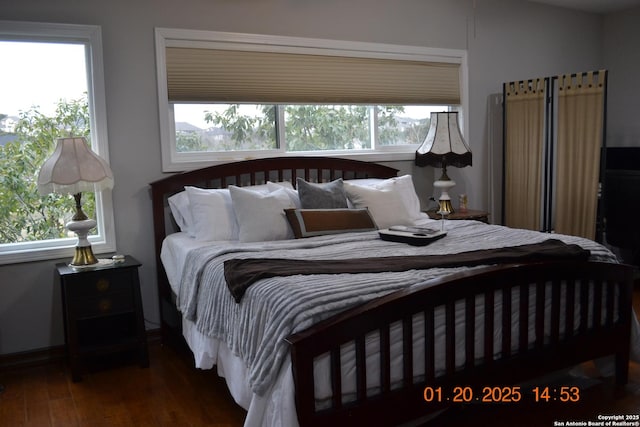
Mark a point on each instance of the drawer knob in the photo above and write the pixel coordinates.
(102, 285)
(104, 305)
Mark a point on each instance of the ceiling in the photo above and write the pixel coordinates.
(597, 6)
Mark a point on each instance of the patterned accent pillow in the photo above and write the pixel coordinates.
(318, 222)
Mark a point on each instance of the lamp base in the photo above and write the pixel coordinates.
(445, 207)
(83, 255)
(445, 185)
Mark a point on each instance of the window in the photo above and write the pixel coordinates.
(225, 96)
(52, 85)
(220, 128)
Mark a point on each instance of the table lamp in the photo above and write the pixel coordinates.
(444, 146)
(72, 169)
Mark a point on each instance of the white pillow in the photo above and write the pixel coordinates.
(391, 202)
(260, 216)
(269, 186)
(366, 182)
(181, 210)
(212, 213)
(293, 194)
(404, 185)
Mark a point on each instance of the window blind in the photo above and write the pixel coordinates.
(235, 76)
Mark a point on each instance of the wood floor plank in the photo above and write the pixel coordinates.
(38, 414)
(12, 411)
(57, 382)
(63, 413)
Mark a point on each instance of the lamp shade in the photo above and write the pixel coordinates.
(73, 168)
(444, 144)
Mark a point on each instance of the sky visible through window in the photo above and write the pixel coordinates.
(40, 74)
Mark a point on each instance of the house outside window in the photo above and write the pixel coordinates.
(227, 96)
(52, 86)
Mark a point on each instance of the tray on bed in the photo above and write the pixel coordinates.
(416, 236)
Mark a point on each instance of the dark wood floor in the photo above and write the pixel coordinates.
(172, 393)
(168, 393)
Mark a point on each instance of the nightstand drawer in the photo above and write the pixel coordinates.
(99, 283)
(103, 305)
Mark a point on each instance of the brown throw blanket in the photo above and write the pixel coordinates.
(242, 273)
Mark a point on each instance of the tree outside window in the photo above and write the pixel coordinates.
(25, 215)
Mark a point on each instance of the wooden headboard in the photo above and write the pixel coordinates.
(243, 173)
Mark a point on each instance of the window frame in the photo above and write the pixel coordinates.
(172, 161)
(91, 37)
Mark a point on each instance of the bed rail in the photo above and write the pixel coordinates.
(553, 315)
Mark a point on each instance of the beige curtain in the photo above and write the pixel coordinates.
(580, 135)
(524, 121)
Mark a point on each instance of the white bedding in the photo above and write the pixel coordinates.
(176, 248)
(275, 406)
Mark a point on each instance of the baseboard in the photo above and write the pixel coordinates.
(50, 355)
(32, 358)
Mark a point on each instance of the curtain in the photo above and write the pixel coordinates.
(579, 139)
(523, 153)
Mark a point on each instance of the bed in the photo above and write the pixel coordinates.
(308, 344)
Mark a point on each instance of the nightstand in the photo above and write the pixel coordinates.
(469, 214)
(102, 310)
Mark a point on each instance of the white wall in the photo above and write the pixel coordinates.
(622, 59)
(506, 40)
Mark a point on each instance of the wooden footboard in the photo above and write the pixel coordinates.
(546, 317)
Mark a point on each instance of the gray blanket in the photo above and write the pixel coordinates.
(276, 307)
